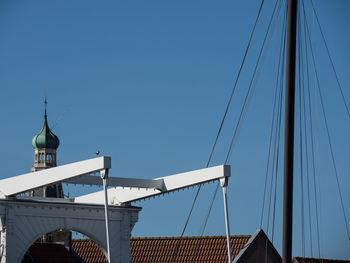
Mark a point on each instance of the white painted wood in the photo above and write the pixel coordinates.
(23, 222)
(223, 183)
(104, 176)
(24, 219)
(121, 195)
(125, 189)
(26, 182)
(119, 181)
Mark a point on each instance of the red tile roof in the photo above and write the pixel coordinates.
(189, 249)
(49, 253)
(318, 260)
(88, 251)
(162, 249)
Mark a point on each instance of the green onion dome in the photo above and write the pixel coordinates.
(45, 138)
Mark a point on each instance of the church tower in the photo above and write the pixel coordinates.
(45, 145)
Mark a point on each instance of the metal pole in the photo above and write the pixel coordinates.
(223, 183)
(289, 133)
(104, 176)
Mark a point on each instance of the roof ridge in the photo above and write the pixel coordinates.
(188, 237)
(174, 237)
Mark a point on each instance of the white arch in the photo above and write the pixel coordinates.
(23, 222)
(99, 243)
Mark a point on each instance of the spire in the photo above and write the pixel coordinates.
(45, 102)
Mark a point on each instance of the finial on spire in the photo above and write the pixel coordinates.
(45, 102)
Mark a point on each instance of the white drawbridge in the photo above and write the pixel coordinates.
(106, 216)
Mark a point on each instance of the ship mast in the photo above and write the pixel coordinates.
(289, 133)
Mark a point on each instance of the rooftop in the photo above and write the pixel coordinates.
(162, 249)
(155, 249)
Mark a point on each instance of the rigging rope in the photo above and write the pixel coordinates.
(279, 83)
(301, 142)
(243, 108)
(311, 138)
(329, 139)
(246, 99)
(306, 149)
(244, 57)
(276, 159)
(330, 58)
(302, 125)
(269, 150)
(277, 133)
(272, 20)
(305, 135)
(236, 81)
(220, 128)
(204, 224)
(279, 129)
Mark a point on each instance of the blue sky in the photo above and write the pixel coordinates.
(147, 82)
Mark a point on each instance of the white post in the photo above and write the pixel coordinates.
(223, 183)
(104, 176)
